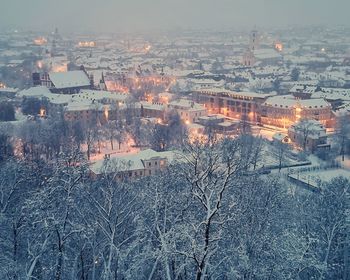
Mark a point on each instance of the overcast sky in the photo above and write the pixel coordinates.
(135, 15)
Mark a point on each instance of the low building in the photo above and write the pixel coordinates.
(303, 91)
(153, 110)
(267, 56)
(279, 137)
(81, 111)
(309, 135)
(188, 110)
(87, 105)
(8, 92)
(218, 124)
(132, 166)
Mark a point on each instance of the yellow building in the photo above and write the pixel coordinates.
(284, 111)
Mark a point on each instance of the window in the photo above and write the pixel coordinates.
(156, 163)
(149, 172)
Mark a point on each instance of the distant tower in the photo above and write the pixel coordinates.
(254, 40)
(162, 74)
(56, 38)
(53, 48)
(102, 84)
(91, 79)
(248, 58)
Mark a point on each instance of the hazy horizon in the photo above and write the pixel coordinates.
(138, 15)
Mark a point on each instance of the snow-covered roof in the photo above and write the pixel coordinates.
(289, 101)
(250, 95)
(69, 79)
(81, 106)
(131, 162)
(267, 54)
(279, 136)
(315, 128)
(87, 94)
(333, 94)
(314, 103)
(38, 92)
(8, 90)
(153, 105)
(285, 101)
(186, 104)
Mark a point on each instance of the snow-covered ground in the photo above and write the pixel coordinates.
(314, 177)
(344, 164)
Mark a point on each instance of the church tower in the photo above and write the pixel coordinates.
(102, 84)
(254, 40)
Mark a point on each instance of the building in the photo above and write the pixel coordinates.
(153, 110)
(254, 40)
(8, 92)
(218, 124)
(303, 91)
(309, 135)
(248, 58)
(63, 82)
(188, 110)
(239, 105)
(267, 56)
(87, 105)
(285, 110)
(81, 111)
(132, 166)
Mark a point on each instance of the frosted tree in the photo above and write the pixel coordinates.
(112, 209)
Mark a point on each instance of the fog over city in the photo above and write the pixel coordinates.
(138, 15)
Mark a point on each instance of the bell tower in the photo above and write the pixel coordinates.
(254, 40)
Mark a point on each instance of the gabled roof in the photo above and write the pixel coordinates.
(130, 162)
(69, 79)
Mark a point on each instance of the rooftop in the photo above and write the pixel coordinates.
(69, 79)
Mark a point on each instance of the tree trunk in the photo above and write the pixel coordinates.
(58, 273)
(112, 144)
